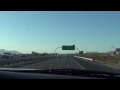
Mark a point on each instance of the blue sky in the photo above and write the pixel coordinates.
(43, 31)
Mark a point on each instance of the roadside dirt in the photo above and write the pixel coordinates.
(110, 62)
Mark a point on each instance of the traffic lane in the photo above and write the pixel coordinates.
(56, 63)
(41, 65)
(88, 65)
(67, 62)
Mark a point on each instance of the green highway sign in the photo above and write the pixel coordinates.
(68, 47)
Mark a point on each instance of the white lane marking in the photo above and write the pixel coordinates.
(67, 65)
(50, 65)
(80, 65)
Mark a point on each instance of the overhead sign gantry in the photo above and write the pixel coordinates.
(67, 47)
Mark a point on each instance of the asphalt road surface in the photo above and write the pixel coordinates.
(71, 62)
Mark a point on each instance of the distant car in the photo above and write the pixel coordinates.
(7, 55)
(67, 55)
(58, 56)
(22, 55)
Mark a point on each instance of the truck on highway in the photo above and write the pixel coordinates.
(7, 55)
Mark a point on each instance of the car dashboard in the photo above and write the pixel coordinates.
(21, 75)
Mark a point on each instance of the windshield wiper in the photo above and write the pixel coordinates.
(72, 72)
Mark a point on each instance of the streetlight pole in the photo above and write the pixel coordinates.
(109, 51)
(111, 47)
(56, 49)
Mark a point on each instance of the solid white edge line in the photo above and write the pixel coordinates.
(80, 65)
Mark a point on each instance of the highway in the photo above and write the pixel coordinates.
(71, 62)
(22, 61)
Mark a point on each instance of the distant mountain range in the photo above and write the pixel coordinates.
(13, 51)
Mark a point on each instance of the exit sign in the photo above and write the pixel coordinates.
(68, 47)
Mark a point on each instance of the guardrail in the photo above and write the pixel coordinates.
(23, 61)
(90, 59)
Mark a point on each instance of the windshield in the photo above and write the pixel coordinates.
(84, 40)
